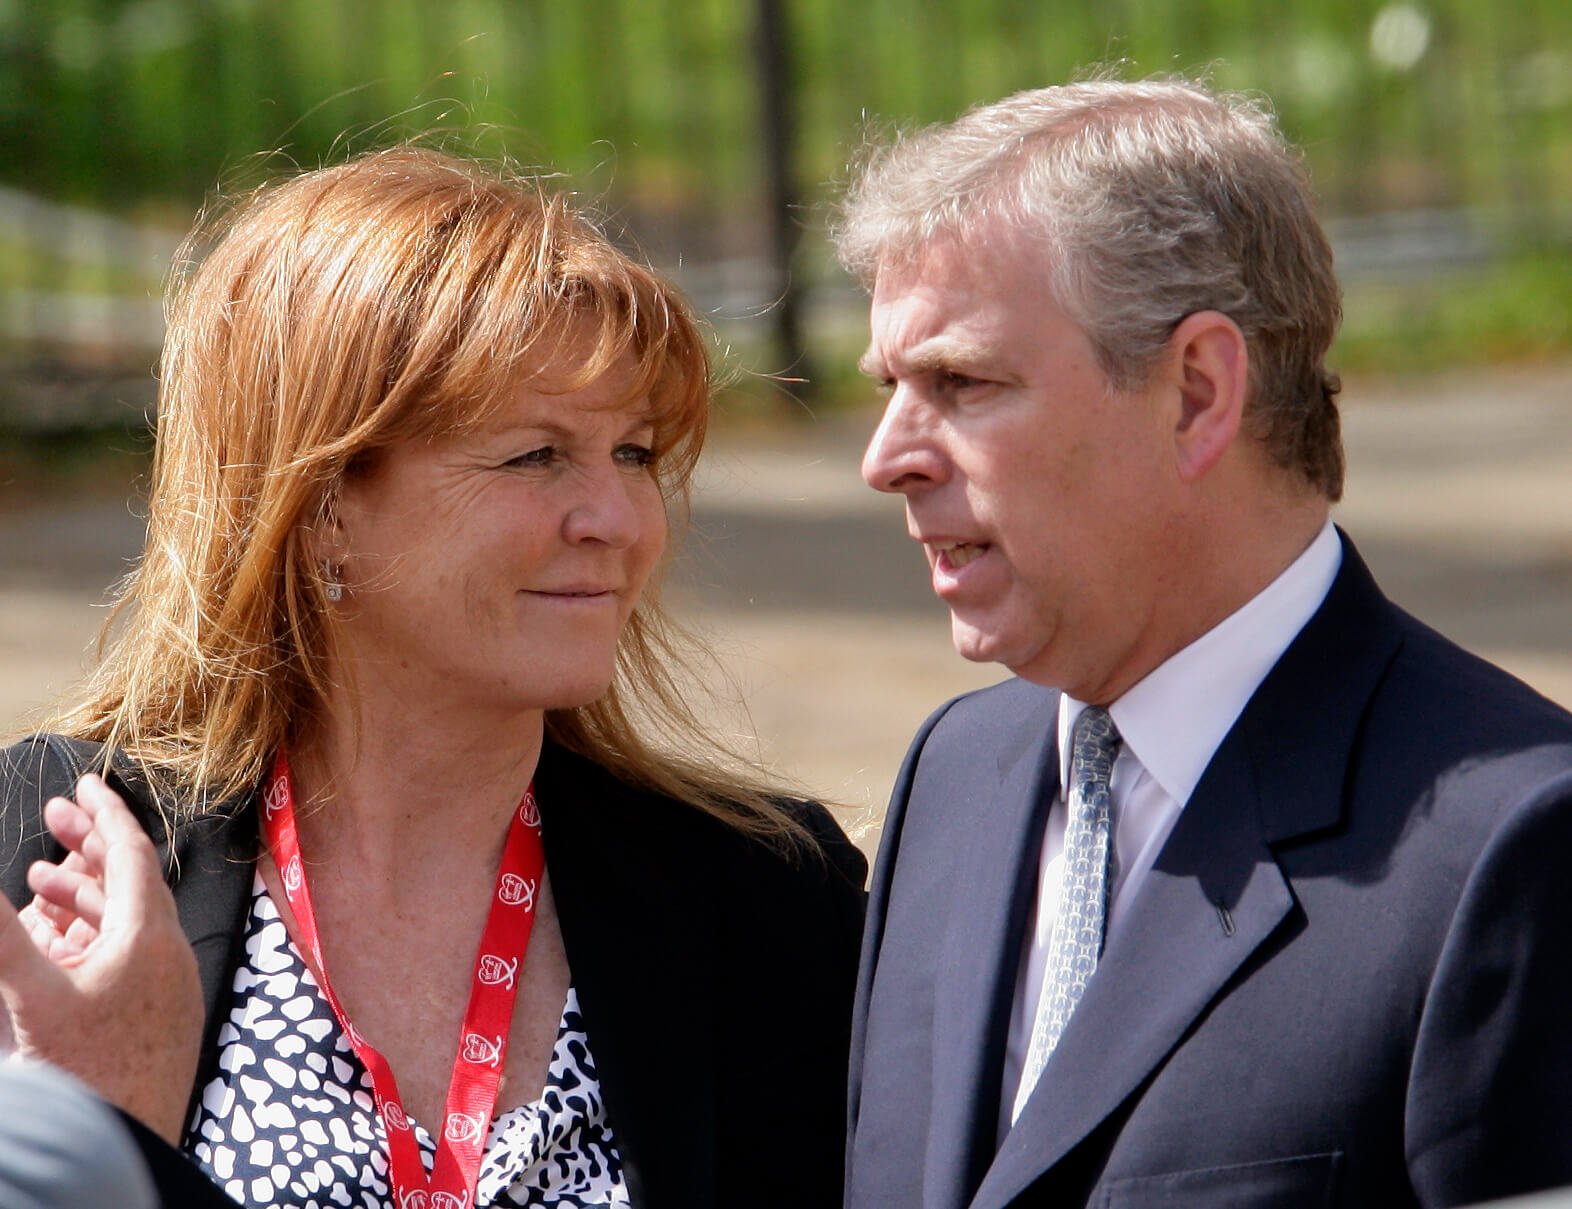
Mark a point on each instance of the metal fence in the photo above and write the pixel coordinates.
(714, 129)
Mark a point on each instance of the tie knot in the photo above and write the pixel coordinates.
(1094, 745)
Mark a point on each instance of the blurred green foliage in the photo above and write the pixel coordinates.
(138, 108)
(1518, 308)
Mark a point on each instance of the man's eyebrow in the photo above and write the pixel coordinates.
(928, 358)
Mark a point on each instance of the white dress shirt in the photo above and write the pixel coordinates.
(1172, 723)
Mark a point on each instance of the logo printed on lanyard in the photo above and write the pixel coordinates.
(516, 891)
(463, 1127)
(497, 971)
(417, 1198)
(273, 800)
(483, 1052)
(483, 1041)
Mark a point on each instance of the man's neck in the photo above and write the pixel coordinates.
(1230, 564)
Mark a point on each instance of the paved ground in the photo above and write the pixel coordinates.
(1460, 495)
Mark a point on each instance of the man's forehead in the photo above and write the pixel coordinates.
(982, 252)
(937, 311)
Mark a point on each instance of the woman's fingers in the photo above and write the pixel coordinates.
(27, 977)
(71, 896)
(72, 825)
(67, 896)
(113, 995)
(133, 884)
(60, 917)
(47, 939)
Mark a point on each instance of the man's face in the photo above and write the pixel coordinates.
(1047, 503)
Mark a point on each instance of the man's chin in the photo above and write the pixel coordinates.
(975, 644)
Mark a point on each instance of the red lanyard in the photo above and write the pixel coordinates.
(483, 1041)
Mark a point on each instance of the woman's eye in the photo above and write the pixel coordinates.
(544, 456)
(637, 456)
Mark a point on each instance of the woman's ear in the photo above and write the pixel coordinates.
(1212, 361)
(325, 537)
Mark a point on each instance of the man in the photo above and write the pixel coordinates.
(1245, 891)
(101, 933)
(61, 1147)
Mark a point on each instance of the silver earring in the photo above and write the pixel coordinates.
(333, 589)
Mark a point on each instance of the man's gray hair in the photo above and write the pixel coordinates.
(1153, 200)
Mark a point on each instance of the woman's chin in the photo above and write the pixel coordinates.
(578, 693)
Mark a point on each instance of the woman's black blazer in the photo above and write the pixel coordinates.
(715, 975)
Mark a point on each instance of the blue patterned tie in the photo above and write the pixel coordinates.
(1077, 939)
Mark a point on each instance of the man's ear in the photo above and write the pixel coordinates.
(1212, 364)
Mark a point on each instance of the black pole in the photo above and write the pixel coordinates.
(778, 145)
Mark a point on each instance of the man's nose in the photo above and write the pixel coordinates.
(903, 455)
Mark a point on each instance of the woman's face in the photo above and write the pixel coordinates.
(494, 571)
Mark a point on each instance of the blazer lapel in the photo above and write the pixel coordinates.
(1216, 893)
(641, 951)
(979, 963)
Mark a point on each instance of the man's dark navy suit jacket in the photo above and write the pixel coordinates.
(1346, 981)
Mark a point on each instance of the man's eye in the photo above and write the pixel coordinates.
(951, 380)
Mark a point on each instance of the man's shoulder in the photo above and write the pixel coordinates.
(1452, 694)
(1363, 666)
(1467, 732)
(1001, 712)
(978, 737)
(1011, 698)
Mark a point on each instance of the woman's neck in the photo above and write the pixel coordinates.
(398, 792)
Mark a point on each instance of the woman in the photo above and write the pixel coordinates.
(381, 693)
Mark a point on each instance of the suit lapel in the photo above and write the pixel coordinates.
(979, 963)
(1215, 894)
(1174, 954)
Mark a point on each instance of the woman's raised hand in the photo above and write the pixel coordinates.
(95, 972)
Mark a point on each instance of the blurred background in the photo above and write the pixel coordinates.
(712, 133)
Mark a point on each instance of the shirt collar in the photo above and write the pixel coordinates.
(1174, 719)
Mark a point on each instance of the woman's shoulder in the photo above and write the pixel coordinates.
(829, 841)
(47, 765)
(33, 770)
(580, 798)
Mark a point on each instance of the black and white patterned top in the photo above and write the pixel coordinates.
(290, 1121)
